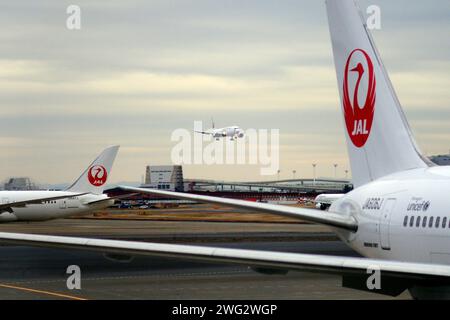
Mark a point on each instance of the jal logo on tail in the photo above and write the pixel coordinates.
(97, 175)
(359, 96)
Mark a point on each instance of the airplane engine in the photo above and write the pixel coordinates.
(322, 206)
(8, 217)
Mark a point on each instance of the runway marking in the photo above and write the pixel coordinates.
(60, 295)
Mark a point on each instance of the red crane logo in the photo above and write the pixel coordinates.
(97, 175)
(359, 117)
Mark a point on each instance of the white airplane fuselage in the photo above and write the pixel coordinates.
(385, 208)
(61, 208)
(231, 132)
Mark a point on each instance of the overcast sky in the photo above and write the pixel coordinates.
(137, 70)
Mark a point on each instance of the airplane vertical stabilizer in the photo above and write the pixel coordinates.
(94, 178)
(379, 139)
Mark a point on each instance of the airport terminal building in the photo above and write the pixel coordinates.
(168, 178)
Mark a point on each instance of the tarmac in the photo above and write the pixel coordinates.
(40, 273)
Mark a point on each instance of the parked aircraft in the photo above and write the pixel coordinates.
(82, 197)
(324, 200)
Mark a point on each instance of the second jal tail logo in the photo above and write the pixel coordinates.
(359, 80)
(97, 175)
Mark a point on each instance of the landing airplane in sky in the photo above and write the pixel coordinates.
(233, 132)
(82, 197)
(398, 215)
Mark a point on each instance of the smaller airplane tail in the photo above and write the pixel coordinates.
(94, 178)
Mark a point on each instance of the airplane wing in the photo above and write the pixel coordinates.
(111, 198)
(203, 132)
(98, 201)
(312, 215)
(18, 204)
(264, 260)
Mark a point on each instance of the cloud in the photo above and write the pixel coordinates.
(137, 70)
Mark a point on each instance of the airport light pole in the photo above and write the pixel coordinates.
(335, 170)
(278, 174)
(293, 174)
(314, 173)
(346, 174)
